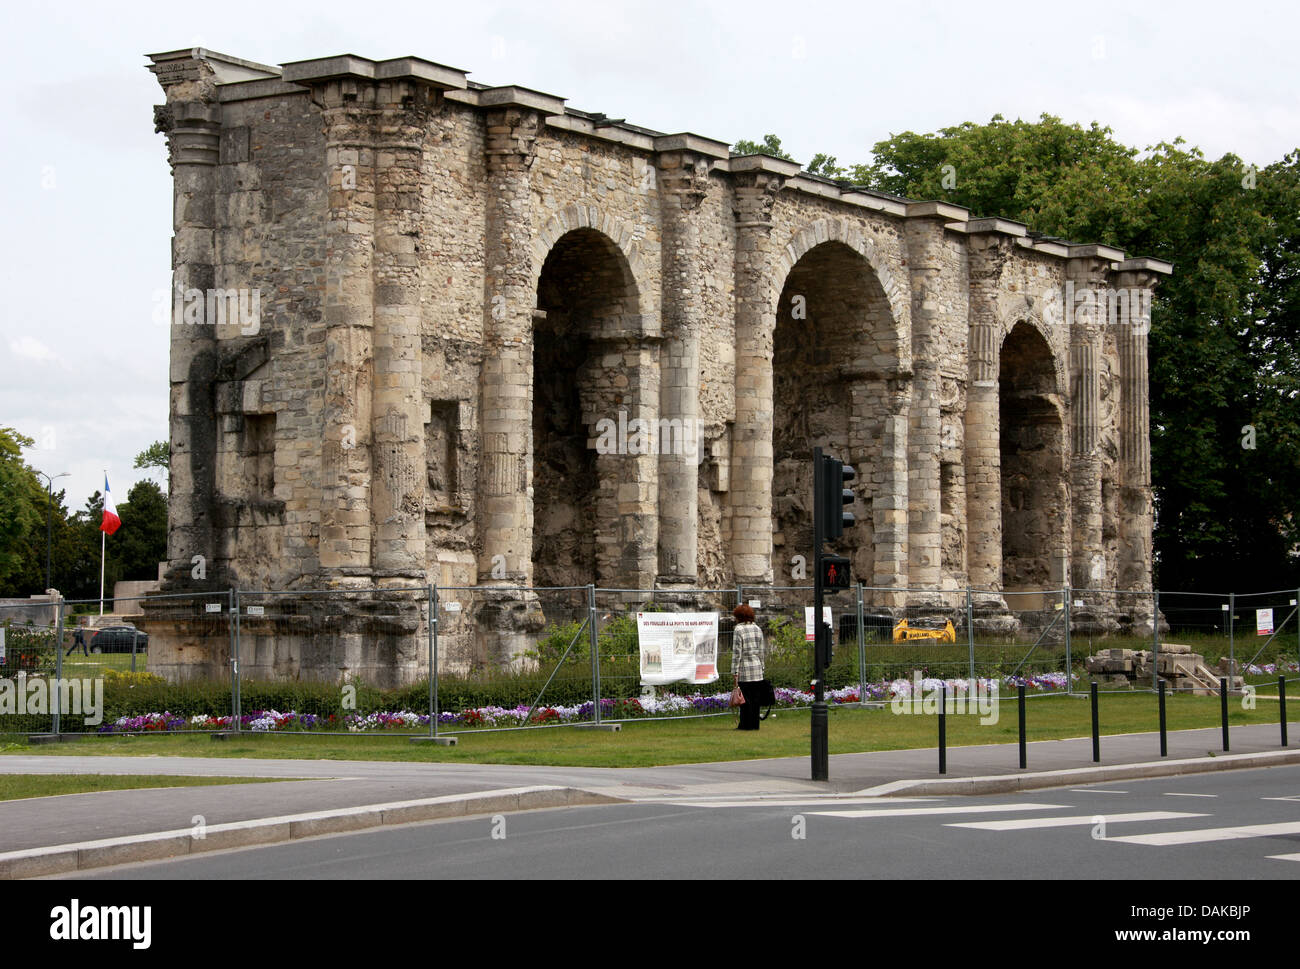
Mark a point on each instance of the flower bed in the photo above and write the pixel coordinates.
(668, 705)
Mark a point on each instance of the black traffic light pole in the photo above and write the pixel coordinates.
(820, 757)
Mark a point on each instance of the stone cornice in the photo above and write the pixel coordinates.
(240, 80)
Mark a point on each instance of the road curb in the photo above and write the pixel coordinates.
(161, 845)
(1011, 783)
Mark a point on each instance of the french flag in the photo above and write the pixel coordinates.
(111, 522)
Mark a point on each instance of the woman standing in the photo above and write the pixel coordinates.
(747, 651)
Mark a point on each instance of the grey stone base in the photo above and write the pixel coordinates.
(603, 727)
(440, 741)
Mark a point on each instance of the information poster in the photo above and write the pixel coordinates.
(809, 633)
(1263, 622)
(678, 646)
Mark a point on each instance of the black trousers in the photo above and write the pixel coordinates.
(749, 709)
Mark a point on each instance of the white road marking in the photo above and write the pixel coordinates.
(1212, 834)
(1295, 857)
(1176, 794)
(1294, 797)
(961, 809)
(782, 802)
(1093, 790)
(1020, 824)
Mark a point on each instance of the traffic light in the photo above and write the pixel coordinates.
(836, 573)
(822, 643)
(835, 476)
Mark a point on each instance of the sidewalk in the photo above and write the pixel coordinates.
(347, 795)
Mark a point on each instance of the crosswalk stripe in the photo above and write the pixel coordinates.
(782, 802)
(1212, 834)
(962, 809)
(1020, 824)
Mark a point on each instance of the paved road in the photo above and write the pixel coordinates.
(338, 784)
(1238, 824)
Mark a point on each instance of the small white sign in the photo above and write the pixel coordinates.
(2, 644)
(1078, 603)
(809, 633)
(1263, 622)
(755, 604)
(212, 607)
(257, 610)
(452, 606)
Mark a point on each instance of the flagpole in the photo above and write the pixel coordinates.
(103, 545)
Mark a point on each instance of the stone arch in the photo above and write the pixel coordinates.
(1022, 309)
(595, 367)
(848, 233)
(838, 363)
(619, 235)
(1033, 448)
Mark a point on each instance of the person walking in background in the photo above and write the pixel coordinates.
(748, 648)
(78, 639)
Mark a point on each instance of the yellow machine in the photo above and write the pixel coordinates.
(903, 633)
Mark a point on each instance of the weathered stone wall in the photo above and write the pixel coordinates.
(462, 289)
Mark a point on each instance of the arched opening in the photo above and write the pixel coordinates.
(1035, 494)
(835, 351)
(588, 375)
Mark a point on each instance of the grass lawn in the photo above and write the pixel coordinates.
(648, 742)
(16, 786)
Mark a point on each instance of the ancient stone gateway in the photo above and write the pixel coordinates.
(476, 337)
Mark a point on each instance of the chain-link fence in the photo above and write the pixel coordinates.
(443, 660)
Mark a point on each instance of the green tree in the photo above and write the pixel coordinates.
(20, 513)
(1223, 345)
(771, 146)
(156, 456)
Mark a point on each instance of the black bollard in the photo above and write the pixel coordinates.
(1164, 740)
(1281, 705)
(1223, 709)
(943, 729)
(1096, 732)
(1023, 755)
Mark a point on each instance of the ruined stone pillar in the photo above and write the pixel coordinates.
(398, 411)
(1136, 284)
(345, 526)
(924, 244)
(191, 119)
(1085, 311)
(756, 295)
(988, 254)
(505, 480)
(889, 506)
(683, 185)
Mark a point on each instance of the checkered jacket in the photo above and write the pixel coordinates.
(748, 650)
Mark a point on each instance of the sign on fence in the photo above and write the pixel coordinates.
(1263, 622)
(809, 633)
(2, 645)
(678, 646)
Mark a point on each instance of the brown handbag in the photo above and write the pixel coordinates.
(737, 696)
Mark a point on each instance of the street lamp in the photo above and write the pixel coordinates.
(49, 516)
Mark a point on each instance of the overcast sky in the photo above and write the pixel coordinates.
(85, 250)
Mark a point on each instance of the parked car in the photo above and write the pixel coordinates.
(119, 639)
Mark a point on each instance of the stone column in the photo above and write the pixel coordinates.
(347, 108)
(988, 254)
(757, 292)
(889, 507)
(398, 411)
(1135, 503)
(191, 119)
(1086, 317)
(506, 476)
(924, 244)
(683, 184)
